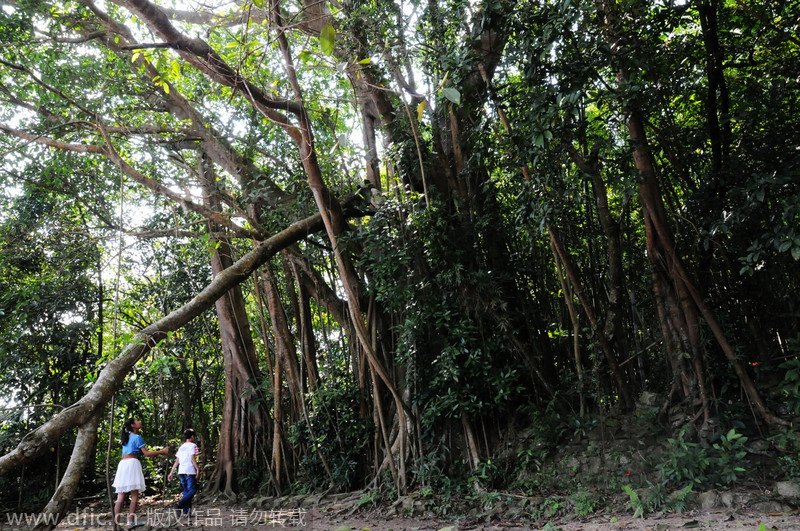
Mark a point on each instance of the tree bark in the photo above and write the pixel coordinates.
(672, 281)
(306, 330)
(61, 500)
(335, 225)
(613, 328)
(284, 343)
(243, 424)
(613, 365)
(576, 328)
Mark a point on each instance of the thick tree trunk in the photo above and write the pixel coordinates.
(242, 424)
(683, 324)
(61, 500)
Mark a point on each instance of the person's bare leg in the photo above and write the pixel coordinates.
(118, 507)
(132, 510)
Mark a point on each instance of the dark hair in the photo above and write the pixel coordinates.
(127, 428)
(188, 434)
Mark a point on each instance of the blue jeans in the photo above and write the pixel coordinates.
(189, 484)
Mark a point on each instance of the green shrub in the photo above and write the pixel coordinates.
(720, 463)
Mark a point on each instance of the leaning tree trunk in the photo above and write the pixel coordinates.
(113, 374)
(81, 455)
(681, 323)
(672, 284)
(115, 371)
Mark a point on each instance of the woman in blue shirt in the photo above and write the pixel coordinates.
(129, 476)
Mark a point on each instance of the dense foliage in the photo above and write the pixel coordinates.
(527, 214)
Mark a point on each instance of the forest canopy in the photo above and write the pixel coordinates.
(358, 243)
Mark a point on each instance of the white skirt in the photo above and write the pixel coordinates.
(129, 476)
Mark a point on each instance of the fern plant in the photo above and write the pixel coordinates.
(679, 499)
(635, 501)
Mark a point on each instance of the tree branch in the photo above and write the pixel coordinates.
(200, 54)
(113, 374)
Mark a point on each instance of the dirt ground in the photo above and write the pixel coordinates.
(324, 520)
(155, 515)
(707, 520)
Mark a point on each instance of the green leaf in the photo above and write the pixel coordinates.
(365, 61)
(326, 38)
(452, 94)
(258, 3)
(796, 252)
